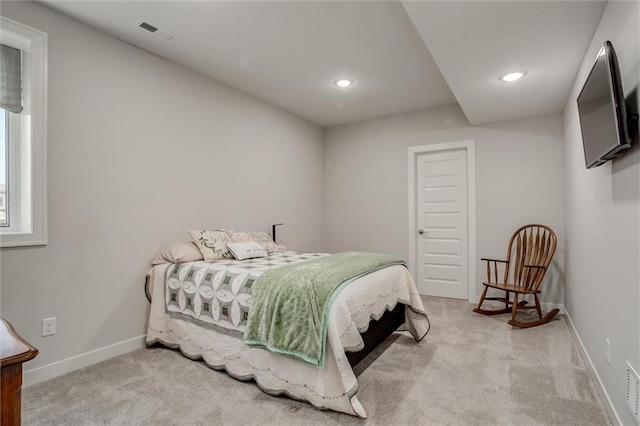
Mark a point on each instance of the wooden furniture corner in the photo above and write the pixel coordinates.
(14, 350)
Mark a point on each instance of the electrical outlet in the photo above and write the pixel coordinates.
(48, 326)
(608, 351)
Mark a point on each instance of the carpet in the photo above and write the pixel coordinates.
(471, 369)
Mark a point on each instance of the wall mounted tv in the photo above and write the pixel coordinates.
(602, 110)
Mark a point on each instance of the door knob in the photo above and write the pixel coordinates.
(420, 231)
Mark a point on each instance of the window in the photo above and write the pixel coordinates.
(23, 187)
(4, 167)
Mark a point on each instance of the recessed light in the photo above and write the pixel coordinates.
(344, 83)
(512, 76)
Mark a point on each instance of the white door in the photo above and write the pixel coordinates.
(442, 217)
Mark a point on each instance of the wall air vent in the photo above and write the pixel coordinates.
(156, 31)
(633, 392)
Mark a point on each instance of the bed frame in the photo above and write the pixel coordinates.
(377, 332)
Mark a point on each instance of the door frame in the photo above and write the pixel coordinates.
(414, 152)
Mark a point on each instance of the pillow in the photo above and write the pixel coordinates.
(212, 244)
(247, 250)
(178, 253)
(265, 241)
(241, 237)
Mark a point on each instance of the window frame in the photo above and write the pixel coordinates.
(30, 216)
(4, 201)
(13, 190)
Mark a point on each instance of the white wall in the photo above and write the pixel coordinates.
(139, 151)
(518, 181)
(602, 223)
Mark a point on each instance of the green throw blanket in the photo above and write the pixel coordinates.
(290, 304)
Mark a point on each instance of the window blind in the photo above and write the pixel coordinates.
(10, 78)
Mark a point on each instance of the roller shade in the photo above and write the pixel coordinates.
(10, 78)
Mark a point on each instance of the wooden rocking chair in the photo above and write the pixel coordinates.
(529, 254)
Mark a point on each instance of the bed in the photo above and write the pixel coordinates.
(202, 307)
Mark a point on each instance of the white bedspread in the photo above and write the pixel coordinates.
(334, 386)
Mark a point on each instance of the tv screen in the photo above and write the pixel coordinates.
(602, 110)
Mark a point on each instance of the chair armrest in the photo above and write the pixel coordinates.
(492, 269)
(534, 266)
(532, 274)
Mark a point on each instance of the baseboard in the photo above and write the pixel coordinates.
(55, 369)
(613, 414)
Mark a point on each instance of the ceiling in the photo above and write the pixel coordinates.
(401, 56)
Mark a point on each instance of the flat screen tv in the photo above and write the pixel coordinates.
(602, 110)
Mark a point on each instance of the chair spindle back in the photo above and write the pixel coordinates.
(531, 249)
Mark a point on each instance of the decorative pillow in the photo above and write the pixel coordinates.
(247, 250)
(212, 244)
(178, 253)
(265, 241)
(241, 237)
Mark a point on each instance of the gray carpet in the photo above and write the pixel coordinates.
(471, 369)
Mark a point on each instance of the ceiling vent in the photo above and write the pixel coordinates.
(155, 30)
